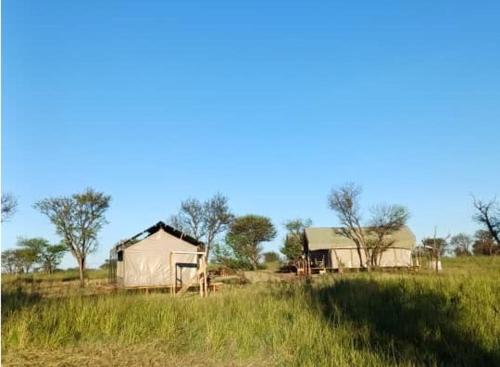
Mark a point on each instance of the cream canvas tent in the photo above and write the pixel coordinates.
(328, 248)
(155, 257)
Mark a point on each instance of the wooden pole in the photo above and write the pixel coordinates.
(172, 290)
(205, 278)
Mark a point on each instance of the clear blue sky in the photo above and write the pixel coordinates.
(270, 103)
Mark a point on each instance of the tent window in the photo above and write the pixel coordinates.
(120, 255)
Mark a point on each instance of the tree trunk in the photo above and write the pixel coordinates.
(358, 248)
(81, 265)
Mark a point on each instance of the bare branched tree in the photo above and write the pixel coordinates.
(190, 218)
(345, 202)
(488, 214)
(204, 220)
(78, 219)
(386, 219)
(9, 206)
(462, 244)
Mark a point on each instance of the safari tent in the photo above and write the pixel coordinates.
(327, 248)
(160, 256)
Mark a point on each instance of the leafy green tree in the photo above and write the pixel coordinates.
(78, 220)
(52, 256)
(25, 258)
(271, 257)
(9, 261)
(224, 255)
(294, 240)
(484, 243)
(246, 234)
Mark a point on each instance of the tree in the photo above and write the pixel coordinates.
(386, 219)
(271, 257)
(204, 221)
(9, 261)
(436, 247)
(78, 220)
(484, 244)
(246, 234)
(488, 214)
(461, 244)
(25, 259)
(345, 202)
(224, 255)
(373, 240)
(292, 248)
(47, 256)
(9, 206)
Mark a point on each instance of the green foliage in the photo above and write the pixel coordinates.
(78, 220)
(246, 234)
(224, 255)
(375, 319)
(20, 260)
(271, 257)
(30, 252)
(46, 255)
(484, 244)
(294, 239)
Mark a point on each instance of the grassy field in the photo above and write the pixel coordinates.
(358, 319)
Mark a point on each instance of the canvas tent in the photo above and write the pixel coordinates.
(155, 257)
(328, 248)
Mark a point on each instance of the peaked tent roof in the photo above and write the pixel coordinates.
(155, 228)
(324, 238)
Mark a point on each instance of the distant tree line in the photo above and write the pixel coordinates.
(484, 242)
(237, 241)
(32, 253)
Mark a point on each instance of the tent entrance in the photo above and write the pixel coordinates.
(183, 273)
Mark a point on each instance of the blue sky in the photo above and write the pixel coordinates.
(271, 103)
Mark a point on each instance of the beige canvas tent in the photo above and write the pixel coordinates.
(328, 248)
(156, 257)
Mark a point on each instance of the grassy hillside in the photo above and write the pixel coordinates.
(375, 319)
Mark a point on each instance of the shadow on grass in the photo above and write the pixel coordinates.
(16, 299)
(408, 325)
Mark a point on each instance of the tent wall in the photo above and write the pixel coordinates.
(119, 272)
(147, 263)
(349, 258)
(395, 257)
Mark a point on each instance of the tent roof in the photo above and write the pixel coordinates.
(155, 228)
(324, 238)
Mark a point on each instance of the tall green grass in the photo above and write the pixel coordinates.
(352, 320)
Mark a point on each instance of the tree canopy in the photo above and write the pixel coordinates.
(204, 221)
(246, 234)
(78, 220)
(292, 247)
